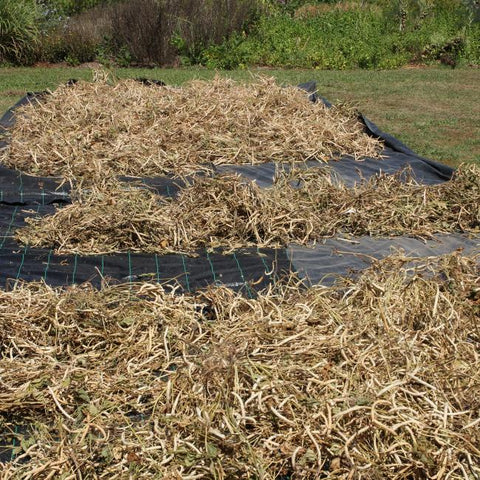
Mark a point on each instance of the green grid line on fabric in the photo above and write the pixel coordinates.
(157, 268)
(247, 286)
(20, 187)
(129, 256)
(187, 280)
(45, 272)
(43, 196)
(211, 267)
(102, 265)
(14, 444)
(75, 264)
(268, 269)
(22, 261)
(1, 195)
(7, 233)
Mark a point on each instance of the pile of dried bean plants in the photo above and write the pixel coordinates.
(92, 130)
(229, 212)
(377, 379)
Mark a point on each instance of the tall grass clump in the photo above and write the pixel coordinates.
(19, 31)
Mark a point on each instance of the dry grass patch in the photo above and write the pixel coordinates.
(373, 379)
(92, 130)
(229, 212)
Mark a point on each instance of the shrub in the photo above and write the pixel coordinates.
(141, 26)
(355, 35)
(472, 44)
(335, 39)
(78, 39)
(204, 23)
(235, 33)
(159, 31)
(18, 30)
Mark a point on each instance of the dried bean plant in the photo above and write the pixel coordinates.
(95, 130)
(230, 212)
(378, 379)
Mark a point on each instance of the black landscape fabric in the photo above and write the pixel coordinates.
(22, 195)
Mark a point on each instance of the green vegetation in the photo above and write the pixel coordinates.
(19, 31)
(228, 34)
(147, 32)
(352, 35)
(68, 7)
(435, 111)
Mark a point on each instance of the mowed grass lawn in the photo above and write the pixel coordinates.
(435, 111)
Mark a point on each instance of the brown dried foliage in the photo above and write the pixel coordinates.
(226, 211)
(94, 130)
(368, 380)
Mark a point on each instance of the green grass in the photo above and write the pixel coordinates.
(435, 111)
